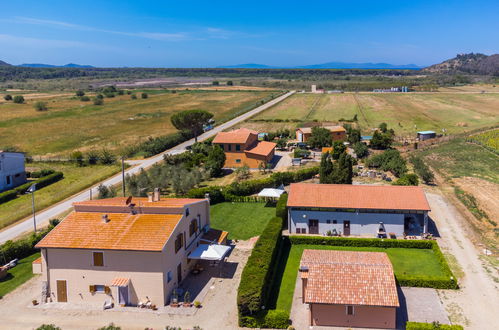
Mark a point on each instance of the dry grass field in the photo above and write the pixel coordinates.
(406, 113)
(71, 124)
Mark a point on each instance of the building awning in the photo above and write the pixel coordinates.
(120, 282)
(211, 252)
(271, 192)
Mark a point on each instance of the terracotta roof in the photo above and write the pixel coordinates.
(124, 231)
(308, 130)
(120, 281)
(349, 278)
(37, 261)
(358, 196)
(214, 235)
(262, 148)
(240, 135)
(142, 201)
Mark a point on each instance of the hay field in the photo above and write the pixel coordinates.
(406, 113)
(71, 124)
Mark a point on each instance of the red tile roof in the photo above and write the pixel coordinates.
(263, 148)
(240, 135)
(140, 201)
(357, 196)
(123, 231)
(349, 278)
(120, 281)
(308, 130)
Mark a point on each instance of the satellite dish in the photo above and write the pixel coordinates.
(128, 200)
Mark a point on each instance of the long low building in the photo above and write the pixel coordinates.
(362, 210)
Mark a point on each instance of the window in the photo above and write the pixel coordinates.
(335, 221)
(187, 212)
(238, 161)
(328, 221)
(98, 259)
(229, 147)
(193, 227)
(349, 310)
(169, 277)
(8, 179)
(179, 242)
(221, 146)
(238, 147)
(100, 288)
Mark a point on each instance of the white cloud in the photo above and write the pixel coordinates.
(39, 43)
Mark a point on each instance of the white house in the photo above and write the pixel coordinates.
(12, 171)
(360, 210)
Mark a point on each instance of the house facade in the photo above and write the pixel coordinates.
(241, 147)
(338, 133)
(426, 135)
(357, 210)
(12, 171)
(122, 250)
(349, 288)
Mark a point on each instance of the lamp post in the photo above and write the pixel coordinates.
(31, 190)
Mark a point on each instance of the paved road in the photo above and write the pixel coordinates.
(44, 216)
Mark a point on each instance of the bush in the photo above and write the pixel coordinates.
(410, 179)
(48, 327)
(92, 157)
(431, 326)
(154, 146)
(84, 99)
(301, 153)
(281, 210)
(7, 196)
(360, 149)
(133, 97)
(42, 182)
(390, 160)
(80, 93)
(107, 157)
(276, 319)
(42, 173)
(76, 157)
(98, 101)
(144, 95)
(40, 106)
(7, 97)
(19, 99)
(422, 169)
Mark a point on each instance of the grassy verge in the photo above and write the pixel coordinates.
(75, 180)
(18, 275)
(413, 262)
(241, 220)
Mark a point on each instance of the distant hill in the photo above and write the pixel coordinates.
(41, 65)
(473, 63)
(329, 65)
(2, 63)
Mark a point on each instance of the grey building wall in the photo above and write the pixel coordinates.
(12, 172)
(360, 223)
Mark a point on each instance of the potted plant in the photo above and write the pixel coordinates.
(197, 304)
(187, 299)
(35, 302)
(174, 299)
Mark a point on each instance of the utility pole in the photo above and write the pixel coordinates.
(123, 175)
(32, 190)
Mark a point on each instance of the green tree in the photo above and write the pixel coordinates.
(353, 136)
(338, 149)
(144, 95)
(230, 83)
(320, 137)
(40, 106)
(344, 169)
(242, 173)
(80, 93)
(191, 121)
(111, 326)
(106, 192)
(383, 127)
(76, 157)
(409, 179)
(215, 161)
(48, 327)
(422, 169)
(281, 143)
(106, 157)
(360, 149)
(92, 157)
(381, 140)
(326, 168)
(7, 97)
(19, 99)
(215, 83)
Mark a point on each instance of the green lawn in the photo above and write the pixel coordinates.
(417, 262)
(75, 179)
(18, 275)
(241, 220)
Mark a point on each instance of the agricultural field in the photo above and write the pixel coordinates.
(404, 112)
(71, 124)
(489, 139)
(75, 179)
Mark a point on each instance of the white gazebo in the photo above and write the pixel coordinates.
(210, 252)
(271, 192)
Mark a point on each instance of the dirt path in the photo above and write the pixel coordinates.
(476, 305)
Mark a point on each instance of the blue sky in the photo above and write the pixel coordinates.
(212, 33)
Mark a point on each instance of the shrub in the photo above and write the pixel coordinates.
(84, 99)
(7, 196)
(7, 97)
(154, 146)
(144, 95)
(76, 157)
(360, 149)
(422, 169)
(390, 160)
(80, 93)
(133, 97)
(98, 101)
(301, 153)
(431, 326)
(92, 157)
(48, 327)
(276, 319)
(410, 179)
(19, 99)
(42, 182)
(107, 157)
(42, 173)
(40, 106)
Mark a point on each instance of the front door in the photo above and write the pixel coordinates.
(62, 291)
(313, 226)
(346, 228)
(179, 273)
(123, 295)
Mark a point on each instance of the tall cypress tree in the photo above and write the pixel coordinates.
(326, 168)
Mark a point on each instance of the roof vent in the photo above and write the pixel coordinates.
(149, 197)
(303, 269)
(156, 196)
(105, 218)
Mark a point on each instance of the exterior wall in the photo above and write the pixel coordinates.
(12, 166)
(364, 316)
(36, 267)
(360, 223)
(339, 136)
(252, 161)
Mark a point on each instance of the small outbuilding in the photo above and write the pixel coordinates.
(426, 135)
(349, 289)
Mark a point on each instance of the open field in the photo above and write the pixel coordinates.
(17, 275)
(241, 220)
(75, 179)
(405, 112)
(416, 262)
(71, 124)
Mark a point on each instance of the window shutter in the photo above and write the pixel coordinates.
(92, 288)
(107, 290)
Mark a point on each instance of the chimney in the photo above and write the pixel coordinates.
(149, 197)
(105, 218)
(303, 269)
(156, 195)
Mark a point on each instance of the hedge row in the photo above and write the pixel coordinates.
(446, 282)
(431, 326)
(40, 183)
(256, 281)
(154, 146)
(220, 194)
(281, 210)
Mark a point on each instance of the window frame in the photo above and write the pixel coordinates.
(238, 147)
(93, 258)
(347, 307)
(179, 242)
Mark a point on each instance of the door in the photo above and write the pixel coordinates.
(313, 226)
(346, 228)
(123, 295)
(179, 273)
(62, 291)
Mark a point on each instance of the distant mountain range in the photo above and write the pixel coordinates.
(2, 63)
(41, 65)
(329, 65)
(473, 63)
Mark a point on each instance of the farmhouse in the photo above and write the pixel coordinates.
(361, 210)
(12, 172)
(241, 147)
(426, 135)
(123, 250)
(349, 288)
(338, 133)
